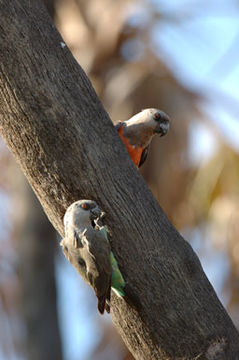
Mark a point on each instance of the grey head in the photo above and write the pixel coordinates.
(82, 214)
(158, 120)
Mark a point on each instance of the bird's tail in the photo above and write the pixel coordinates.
(101, 304)
(104, 300)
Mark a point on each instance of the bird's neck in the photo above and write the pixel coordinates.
(138, 134)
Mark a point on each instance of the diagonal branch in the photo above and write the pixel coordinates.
(54, 124)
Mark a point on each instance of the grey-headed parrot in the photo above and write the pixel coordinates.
(87, 247)
(137, 132)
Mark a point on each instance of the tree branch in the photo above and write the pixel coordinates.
(54, 124)
(36, 246)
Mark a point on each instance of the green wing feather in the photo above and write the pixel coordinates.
(118, 282)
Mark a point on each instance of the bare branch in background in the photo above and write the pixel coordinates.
(36, 247)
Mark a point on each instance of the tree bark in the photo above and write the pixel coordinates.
(54, 124)
(50, 6)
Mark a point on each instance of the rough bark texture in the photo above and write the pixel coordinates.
(50, 6)
(57, 129)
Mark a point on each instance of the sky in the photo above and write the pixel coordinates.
(203, 52)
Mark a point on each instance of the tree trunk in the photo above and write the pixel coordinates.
(54, 124)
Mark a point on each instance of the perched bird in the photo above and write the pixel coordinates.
(87, 247)
(137, 132)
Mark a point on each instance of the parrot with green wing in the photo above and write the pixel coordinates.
(87, 247)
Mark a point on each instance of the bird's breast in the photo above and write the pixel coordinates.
(135, 152)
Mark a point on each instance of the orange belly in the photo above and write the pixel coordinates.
(134, 152)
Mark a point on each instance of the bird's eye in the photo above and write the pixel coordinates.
(157, 116)
(85, 206)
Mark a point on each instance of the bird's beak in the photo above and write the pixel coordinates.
(102, 215)
(162, 128)
(95, 213)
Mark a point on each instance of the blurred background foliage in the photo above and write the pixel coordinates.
(179, 56)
